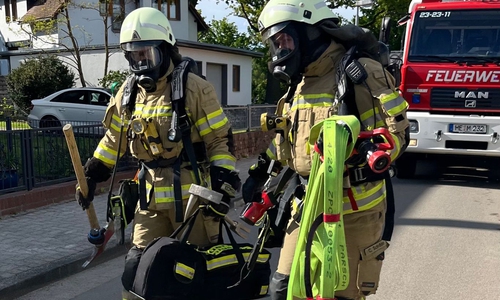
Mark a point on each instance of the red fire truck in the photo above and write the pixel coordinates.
(450, 76)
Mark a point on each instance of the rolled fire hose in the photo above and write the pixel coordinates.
(320, 265)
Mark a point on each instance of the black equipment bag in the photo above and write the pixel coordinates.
(129, 193)
(173, 269)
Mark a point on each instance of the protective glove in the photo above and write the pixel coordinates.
(252, 188)
(82, 201)
(225, 182)
(259, 170)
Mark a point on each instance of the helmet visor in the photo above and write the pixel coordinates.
(282, 42)
(142, 56)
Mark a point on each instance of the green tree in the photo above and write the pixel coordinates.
(112, 77)
(370, 18)
(37, 78)
(223, 32)
(72, 38)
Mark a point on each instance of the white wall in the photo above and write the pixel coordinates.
(93, 62)
(244, 96)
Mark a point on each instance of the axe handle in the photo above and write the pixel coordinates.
(80, 175)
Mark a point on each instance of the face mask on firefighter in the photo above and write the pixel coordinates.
(285, 56)
(145, 59)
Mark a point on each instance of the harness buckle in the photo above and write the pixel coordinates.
(358, 174)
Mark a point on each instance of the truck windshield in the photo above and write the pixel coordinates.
(456, 35)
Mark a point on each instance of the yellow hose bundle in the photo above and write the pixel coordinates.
(320, 264)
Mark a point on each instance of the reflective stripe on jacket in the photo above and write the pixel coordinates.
(208, 125)
(378, 103)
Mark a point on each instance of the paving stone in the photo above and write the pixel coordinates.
(35, 242)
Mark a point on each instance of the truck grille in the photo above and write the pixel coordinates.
(470, 99)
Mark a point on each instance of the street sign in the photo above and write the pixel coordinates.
(364, 2)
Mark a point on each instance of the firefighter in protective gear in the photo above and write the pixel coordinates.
(149, 46)
(307, 46)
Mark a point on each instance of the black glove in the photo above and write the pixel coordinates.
(252, 189)
(225, 182)
(97, 170)
(85, 202)
(259, 170)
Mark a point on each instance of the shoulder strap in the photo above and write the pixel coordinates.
(129, 93)
(181, 129)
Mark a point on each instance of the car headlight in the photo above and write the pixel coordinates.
(414, 126)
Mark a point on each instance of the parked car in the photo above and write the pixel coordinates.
(78, 106)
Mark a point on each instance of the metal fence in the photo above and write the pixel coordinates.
(247, 117)
(35, 157)
(32, 158)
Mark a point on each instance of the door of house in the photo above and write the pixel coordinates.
(217, 75)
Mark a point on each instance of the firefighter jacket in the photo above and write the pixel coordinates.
(378, 103)
(209, 125)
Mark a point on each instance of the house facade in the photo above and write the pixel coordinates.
(228, 69)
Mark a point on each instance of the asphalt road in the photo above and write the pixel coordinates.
(446, 244)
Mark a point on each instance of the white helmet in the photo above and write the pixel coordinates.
(289, 28)
(303, 11)
(145, 37)
(146, 24)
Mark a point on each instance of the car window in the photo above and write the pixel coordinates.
(75, 97)
(98, 98)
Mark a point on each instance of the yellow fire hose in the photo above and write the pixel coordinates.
(320, 264)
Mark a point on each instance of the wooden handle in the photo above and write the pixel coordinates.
(80, 174)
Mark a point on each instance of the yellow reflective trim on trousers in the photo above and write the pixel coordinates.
(105, 154)
(184, 270)
(394, 103)
(153, 111)
(366, 199)
(225, 161)
(231, 260)
(167, 195)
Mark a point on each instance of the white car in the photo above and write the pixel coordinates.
(78, 106)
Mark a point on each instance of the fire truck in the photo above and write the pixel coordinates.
(450, 76)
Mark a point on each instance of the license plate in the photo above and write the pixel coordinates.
(468, 128)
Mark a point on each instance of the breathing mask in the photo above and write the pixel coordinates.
(283, 44)
(148, 61)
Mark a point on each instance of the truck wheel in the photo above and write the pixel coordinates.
(406, 166)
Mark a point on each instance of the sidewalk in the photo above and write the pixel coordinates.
(50, 243)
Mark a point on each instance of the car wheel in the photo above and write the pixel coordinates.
(49, 122)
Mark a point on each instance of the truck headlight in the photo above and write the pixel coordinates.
(414, 126)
